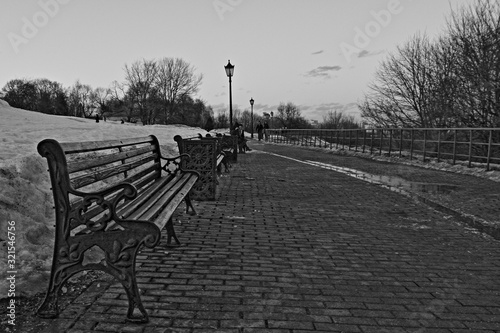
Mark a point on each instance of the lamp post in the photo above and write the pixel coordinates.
(229, 72)
(251, 115)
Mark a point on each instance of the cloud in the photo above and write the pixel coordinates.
(266, 108)
(317, 52)
(329, 106)
(365, 53)
(319, 111)
(323, 71)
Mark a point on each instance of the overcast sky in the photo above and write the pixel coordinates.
(317, 54)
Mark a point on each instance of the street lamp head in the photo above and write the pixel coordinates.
(251, 101)
(229, 69)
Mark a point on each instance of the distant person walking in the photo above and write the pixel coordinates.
(266, 130)
(260, 130)
(96, 118)
(242, 141)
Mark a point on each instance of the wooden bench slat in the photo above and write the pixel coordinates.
(80, 165)
(128, 208)
(166, 213)
(86, 146)
(101, 175)
(145, 211)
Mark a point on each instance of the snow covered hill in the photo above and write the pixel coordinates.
(25, 195)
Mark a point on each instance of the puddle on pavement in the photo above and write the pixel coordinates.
(394, 183)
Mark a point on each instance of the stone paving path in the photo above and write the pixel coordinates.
(474, 200)
(290, 247)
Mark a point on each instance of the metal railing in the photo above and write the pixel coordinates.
(475, 145)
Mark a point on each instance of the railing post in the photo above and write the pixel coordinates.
(490, 142)
(364, 139)
(401, 143)
(470, 148)
(439, 145)
(371, 143)
(390, 141)
(411, 144)
(454, 146)
(356, 143)
(381, 142)
(425, 143)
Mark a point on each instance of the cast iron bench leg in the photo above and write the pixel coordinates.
(171, 233)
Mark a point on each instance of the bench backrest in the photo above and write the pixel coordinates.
(93, 164)
(96, 166)
(202, 153)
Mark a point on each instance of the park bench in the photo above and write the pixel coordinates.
(206, 156)
(111, 197)
(229, 144)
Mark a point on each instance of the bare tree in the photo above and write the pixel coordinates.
(338, 120)
(40, 95)
(140, 78)
(100, 98)
(289, 116)
(122, 101)
(443, 93)
(475, 36)
(400, 93)
(222, 119)
(454, 81)
(175, 80)
(79, 100)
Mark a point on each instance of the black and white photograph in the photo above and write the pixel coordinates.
(250, 166)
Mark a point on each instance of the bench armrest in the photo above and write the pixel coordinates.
(177, 162)
(123, 191)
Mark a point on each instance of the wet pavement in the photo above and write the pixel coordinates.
(293, 244)
(473, 200)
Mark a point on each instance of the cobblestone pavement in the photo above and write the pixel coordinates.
(290, 247)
